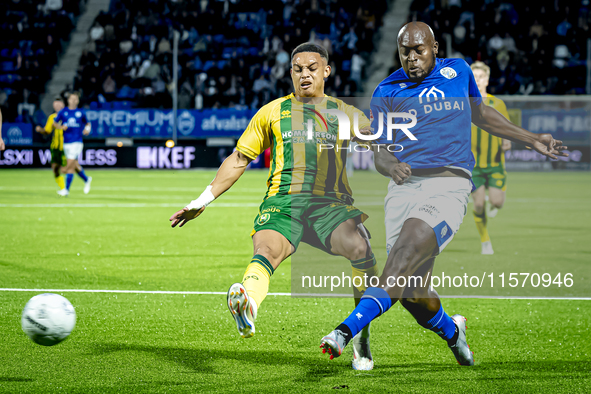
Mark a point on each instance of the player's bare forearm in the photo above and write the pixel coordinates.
(388, 165)
(384, 161)
(493, 122)
(490, 120)
(229, 172)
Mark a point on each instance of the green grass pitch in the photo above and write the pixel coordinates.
(118, 238)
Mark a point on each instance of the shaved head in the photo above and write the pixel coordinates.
(417, 49)
(414, 27)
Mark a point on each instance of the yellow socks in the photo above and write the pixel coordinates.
(481, 226)
(365, 266)
(60, 182)
(256, 278)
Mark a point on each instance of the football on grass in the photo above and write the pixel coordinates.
(48, 319)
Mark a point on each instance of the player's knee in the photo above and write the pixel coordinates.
(478, 206)
(273, 253)
(356, 249)
(497, 202)
(404, 257)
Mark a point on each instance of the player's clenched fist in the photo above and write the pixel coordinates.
(400, 172)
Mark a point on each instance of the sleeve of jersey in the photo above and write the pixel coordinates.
(59, 117)
(49, 124)
(379, 105)
(84, 118)
(257, 136)
(474, 93)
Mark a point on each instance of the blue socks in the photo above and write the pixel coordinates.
(375, 301)
(83, 175)
(442, 325)
(69, 179)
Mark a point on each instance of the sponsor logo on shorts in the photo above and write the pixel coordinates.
(264, 218)
(340, 204)
(443, 231)
(430, 209)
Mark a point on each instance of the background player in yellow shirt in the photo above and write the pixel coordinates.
(489, 153)
(2, 146)
(58, 160)
(308, 197)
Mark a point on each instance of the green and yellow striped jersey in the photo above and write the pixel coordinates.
(298, 164)
(57, 139)
(486, 147)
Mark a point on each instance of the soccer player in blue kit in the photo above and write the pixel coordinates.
(72, 120)
(430, 182)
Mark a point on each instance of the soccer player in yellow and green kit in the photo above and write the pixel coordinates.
(58, 160)
(308, 196)
(489, 171)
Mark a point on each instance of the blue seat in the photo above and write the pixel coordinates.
(7, 67)
(208, 64)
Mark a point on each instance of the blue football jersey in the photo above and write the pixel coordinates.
(75, 119)
(441, 103)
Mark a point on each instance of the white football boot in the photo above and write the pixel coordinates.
(243, 309)
(334, 343)
(87, 185)
(461, 349)
(362, 359)
(487, 248)
(63, 192)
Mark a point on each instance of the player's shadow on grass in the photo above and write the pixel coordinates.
(203, 360)
(14, 379)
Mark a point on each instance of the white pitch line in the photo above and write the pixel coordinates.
(300, 295)
(129, 291)
(151, 205)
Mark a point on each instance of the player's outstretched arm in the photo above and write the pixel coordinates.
(491, 120)
(388, 165)
(231, 169)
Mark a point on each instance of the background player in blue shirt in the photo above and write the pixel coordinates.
(430, 186)
(72, 120)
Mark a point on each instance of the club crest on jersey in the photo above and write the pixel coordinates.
(448, 72)
(331, 118)
(264, 218)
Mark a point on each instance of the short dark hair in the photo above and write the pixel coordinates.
(310, 47)
(58, 98)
